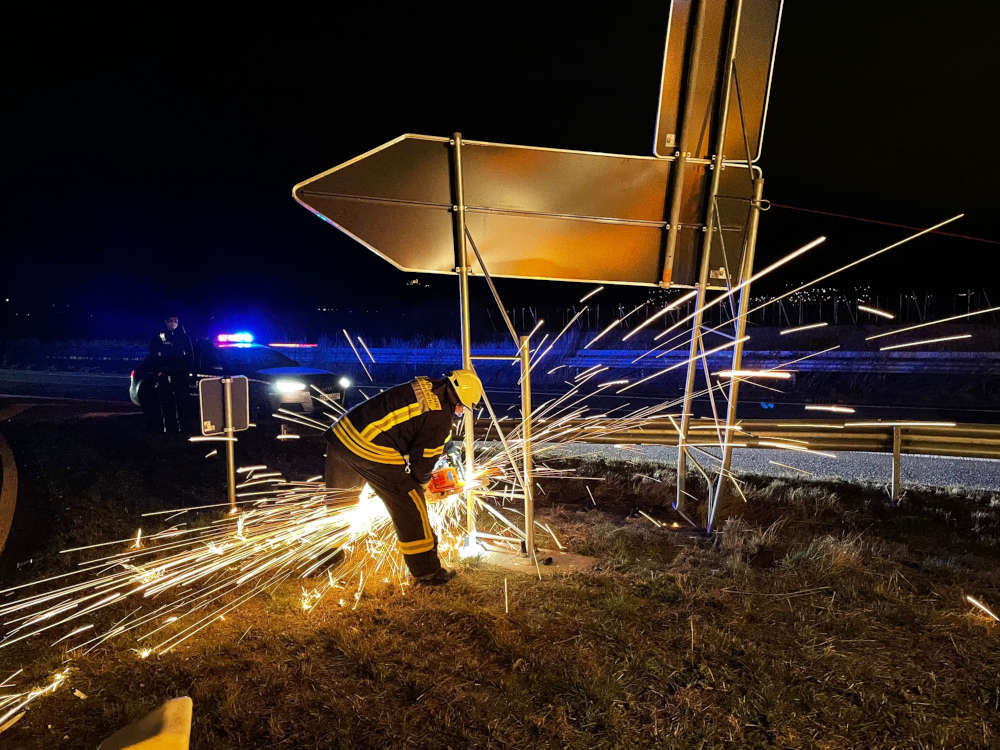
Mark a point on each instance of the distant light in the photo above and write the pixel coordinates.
(241, 337)
(289, 345)
(289, 386)
(344, 383)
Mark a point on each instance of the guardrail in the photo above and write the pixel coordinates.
(964, 440)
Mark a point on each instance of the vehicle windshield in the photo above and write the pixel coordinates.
(252, 358)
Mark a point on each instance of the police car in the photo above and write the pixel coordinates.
(276, 380)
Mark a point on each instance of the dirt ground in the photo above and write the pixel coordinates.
(820, 617)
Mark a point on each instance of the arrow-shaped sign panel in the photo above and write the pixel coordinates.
(532, 212)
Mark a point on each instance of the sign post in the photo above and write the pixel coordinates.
(227, 384)
(225, 410)
(722, 112)
(462, 266)
(529, 490)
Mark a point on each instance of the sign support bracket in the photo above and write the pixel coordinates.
(741, 325)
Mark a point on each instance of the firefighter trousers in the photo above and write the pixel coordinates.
(403, 498)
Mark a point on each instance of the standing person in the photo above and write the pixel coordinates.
(392, 442)
(172, 357)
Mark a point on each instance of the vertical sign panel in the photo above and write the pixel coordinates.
(758, 36)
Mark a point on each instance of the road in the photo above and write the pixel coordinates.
(63, 385)
(754, 403)
(111, 391)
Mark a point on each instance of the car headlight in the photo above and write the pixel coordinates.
(289, 386)
(344, 383)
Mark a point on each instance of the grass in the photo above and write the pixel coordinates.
(818, 618)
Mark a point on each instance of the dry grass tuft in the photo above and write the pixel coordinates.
(829, 554)
(743, 539)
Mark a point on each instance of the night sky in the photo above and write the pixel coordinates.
(149, 156)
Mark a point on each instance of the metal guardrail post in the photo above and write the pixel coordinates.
(529, 491)
(897, 444)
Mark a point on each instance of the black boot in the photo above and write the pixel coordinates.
(439, 577)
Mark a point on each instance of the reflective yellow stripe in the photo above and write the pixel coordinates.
(370, 452)
(345, 439)
(352, 432)
(418, 500)
(390, 420)
(417, 548)
(419, 545)
(431, 452)
(368, 456)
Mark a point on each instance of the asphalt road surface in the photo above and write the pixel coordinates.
(104, 387)
(64, 385)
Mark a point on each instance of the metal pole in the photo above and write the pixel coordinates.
(722, 112)
(462, 266)
(227, 385)
(741, 326)
(681, 154)
(897, 444)
(528, 482)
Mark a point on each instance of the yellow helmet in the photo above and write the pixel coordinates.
(468, 387)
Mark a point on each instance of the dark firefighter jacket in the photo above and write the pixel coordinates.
(172, 351)
(405, 425)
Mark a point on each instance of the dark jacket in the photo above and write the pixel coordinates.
(406, 425)
(171, 351)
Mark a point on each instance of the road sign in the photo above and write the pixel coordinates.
(689, 60)
(212, 401)
(686, 217)
(532, 212)
(225, 410)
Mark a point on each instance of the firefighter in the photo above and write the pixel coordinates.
(172, 356)
(392, 442)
